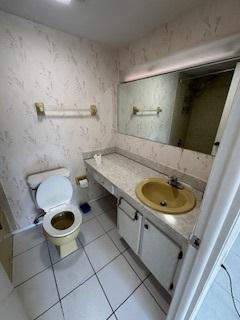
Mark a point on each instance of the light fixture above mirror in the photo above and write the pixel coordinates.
(67, 2)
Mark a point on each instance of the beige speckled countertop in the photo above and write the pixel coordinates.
(124, 174)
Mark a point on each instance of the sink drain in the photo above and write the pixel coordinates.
(163, 203)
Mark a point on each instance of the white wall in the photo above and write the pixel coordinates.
(218, 304)
(209, 21)
(42, 64)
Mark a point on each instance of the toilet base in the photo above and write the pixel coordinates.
(66, 244)
(67, 248)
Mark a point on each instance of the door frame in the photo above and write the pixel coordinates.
(227, 107)
(216, 225)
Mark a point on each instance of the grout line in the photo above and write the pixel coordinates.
(154, 296)
(111, 316)
(54, 263)
(97, 199)
(114, 242)
(128, 297)
(46, 311)
(115, 226)
(94, 273)
(142, 281)
(108, 263)
(36, 274)
(133, 268)
(101, 284)
(99, 281)
(28, 248)
(83, 222)
(61, 259)
(83, 246)
(79, 285)
(59, 299)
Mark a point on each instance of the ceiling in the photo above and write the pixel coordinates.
(113, 22)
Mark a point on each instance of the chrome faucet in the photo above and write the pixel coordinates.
(173, 181)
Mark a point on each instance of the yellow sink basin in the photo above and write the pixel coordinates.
(157, 194)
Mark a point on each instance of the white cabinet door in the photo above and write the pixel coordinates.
(129, 225)
(160, 254)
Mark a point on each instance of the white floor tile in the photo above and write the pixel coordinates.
(101, 251)
(158, 292)
(96, 207)
(236, 246)
(72, 271)
(108, 220)
(102, 205)
(119, 242)
(89, 231)
(87, 302)
(136, 264)
(27, 239)
(87, 216)
(217, 305)
(141, 306)
(232, 264)
(118, 274)
(55, 313)
(39, 293)
(54, 251)
(30, 263)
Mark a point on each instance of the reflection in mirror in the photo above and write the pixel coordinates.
(180, 108)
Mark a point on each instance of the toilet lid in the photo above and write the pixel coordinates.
(54, 191)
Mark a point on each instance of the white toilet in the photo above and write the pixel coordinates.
(52, 191)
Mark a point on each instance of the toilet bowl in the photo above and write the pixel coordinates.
(62, 220)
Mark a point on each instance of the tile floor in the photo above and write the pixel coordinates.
(102, 280)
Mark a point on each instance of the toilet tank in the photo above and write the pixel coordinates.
(35, 179)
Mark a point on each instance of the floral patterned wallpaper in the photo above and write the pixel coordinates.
(211, 20)
(42, 64)
(38, 63)
(148, 94)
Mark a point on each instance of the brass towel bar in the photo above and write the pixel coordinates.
(43, 111)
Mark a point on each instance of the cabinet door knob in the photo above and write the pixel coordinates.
(136, 216)
(146, 226)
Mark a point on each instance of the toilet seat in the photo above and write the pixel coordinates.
(54, 211)
(53, 196)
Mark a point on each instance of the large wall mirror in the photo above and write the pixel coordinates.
(187, 108)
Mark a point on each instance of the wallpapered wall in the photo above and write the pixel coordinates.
(148, 94)
(41, 64)
(212, 20)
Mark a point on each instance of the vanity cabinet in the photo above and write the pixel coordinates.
(129, 224)
(104, 182)
(160, 254)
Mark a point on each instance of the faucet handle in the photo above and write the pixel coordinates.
(173, 179)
